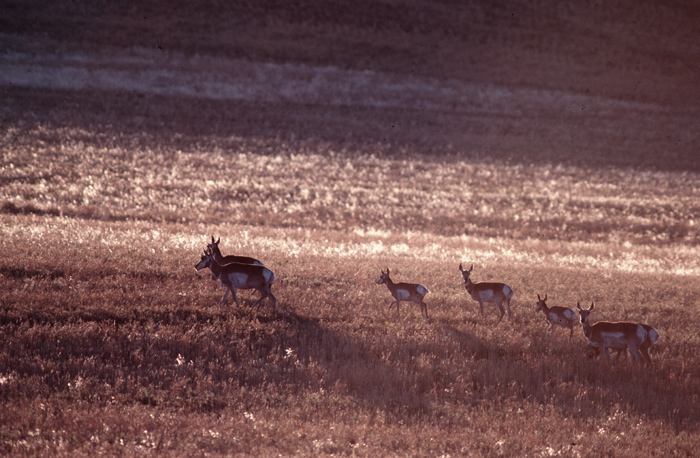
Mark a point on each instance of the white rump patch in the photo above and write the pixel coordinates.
(422, 290)
(653, 335)
(507, 292)
(641, 333)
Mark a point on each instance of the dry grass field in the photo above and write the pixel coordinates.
(332, 142)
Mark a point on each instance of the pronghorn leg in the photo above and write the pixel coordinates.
(481, 309)
(634, 357)
(424, 308)
(223, 299)
(507, 301)
(263, 295)
(500, 310)
(607, 356)
(235, 296)
(273, 299)
(267, 292)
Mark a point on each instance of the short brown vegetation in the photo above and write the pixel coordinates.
(112, 344)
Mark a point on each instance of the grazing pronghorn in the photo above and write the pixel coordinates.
(562, 316)
(405, 292)
(619, 335)
(652, 337)
(223, 260)
(240, 276)
(498, 293)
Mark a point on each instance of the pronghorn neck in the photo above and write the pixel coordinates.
(470, 285)
(544, 307)
(587, 327)
(216, 253)
(389, 284)
(215, 267)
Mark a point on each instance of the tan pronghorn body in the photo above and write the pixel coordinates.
(240, 276)
(405, 292)
(652, 337)
(617, 335)
(561, 316)
(498, 293)
(223, 260)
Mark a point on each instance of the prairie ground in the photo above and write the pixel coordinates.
(540, 166)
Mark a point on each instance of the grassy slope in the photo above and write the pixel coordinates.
(111, 344)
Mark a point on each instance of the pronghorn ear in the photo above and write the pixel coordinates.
(387, 271)
(471, 268)
(460, 267)
(592, 305)
(217, 242)
(212, 239)
(578, 304)
(538, 298)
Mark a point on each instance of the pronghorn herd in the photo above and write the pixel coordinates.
(242, 272)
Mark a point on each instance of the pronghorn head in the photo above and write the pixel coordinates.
(465, 273)
(584, 313)
(384, 277)
(205, 260)
(541, 303)
(214, 245)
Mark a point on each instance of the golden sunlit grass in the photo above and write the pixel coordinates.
(111, 343)
(295, 187)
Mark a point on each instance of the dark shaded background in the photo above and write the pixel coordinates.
(636, 51)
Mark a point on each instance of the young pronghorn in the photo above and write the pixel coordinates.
(223, 260)
(619, 335)
(405, 292)
(652, 337)
(498, 293)
(562, 316)
(240, 276)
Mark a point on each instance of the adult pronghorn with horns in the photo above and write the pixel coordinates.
(498, 293)
(619, 335)
(405, 292)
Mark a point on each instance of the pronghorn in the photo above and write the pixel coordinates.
(652, 337)
(240, 276)
(223, 260)
(562, 316)
(620, 335)
(498, 293)
(405, 292)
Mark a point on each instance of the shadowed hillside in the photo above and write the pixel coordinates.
(644, 51)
